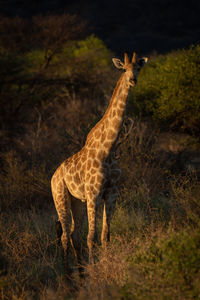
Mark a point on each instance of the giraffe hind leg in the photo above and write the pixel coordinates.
(58, 232)
(109, 204)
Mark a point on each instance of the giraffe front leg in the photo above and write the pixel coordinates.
(62, 200)
(65, 245)
(109, 204)
(78, 209)
(92, 232)
(65, 240)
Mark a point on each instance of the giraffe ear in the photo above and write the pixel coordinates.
(118, 64)
(134, 57)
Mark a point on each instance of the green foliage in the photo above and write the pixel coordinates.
(182, 255)
(88, 58)
(171, 264)
(168, 89)
(35, 60)
(92, 50)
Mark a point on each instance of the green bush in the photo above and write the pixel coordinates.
(170, 265)
(168, 89)
(91, 52)
(88, 55)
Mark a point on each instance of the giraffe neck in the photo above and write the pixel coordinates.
(106, 131)
(117, 105)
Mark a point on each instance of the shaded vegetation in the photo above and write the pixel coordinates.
(169, 90)
(52, 92)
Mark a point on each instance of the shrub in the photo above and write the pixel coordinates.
(20, 186)
(90, 54)
(168, 89)
(185, 199)
(170, 266)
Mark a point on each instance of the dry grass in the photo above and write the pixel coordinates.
(29, 248)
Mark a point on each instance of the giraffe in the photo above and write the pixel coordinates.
(92, 174)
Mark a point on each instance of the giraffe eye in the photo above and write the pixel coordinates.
(141, 62)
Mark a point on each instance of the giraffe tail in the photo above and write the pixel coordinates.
(58, 232)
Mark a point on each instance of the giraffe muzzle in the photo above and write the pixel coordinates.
(133, 82)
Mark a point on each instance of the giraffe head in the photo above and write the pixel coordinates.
(132, 68)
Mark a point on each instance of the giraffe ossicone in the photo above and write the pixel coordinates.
(92, 174)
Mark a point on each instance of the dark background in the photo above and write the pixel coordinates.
(156, 26)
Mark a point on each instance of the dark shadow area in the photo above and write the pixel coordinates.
(145, 26)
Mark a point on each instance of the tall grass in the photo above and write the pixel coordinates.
(29, 252)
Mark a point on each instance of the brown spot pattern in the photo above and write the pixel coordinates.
(82, 173)
(96, 163)
(77, 179)
(95, 144)
(83, 158)
(111, 135)
(81, 188)
(92, 153)
(92, 180)
(106, 122)
(87, 177)
(100, 155)
(114, 113)
(93, 171)
(97, 134)
(61, 171)
(107, 145)
(97, 186)
(87, 188)
(69, 178)
(99, 178)
(89, 165)
(120, 112)
(116, 124)
(121, 105)
(103, 136)
(73, 186)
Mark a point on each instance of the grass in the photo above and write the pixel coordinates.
(29, 247)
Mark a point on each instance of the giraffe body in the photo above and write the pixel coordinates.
(92, 174)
